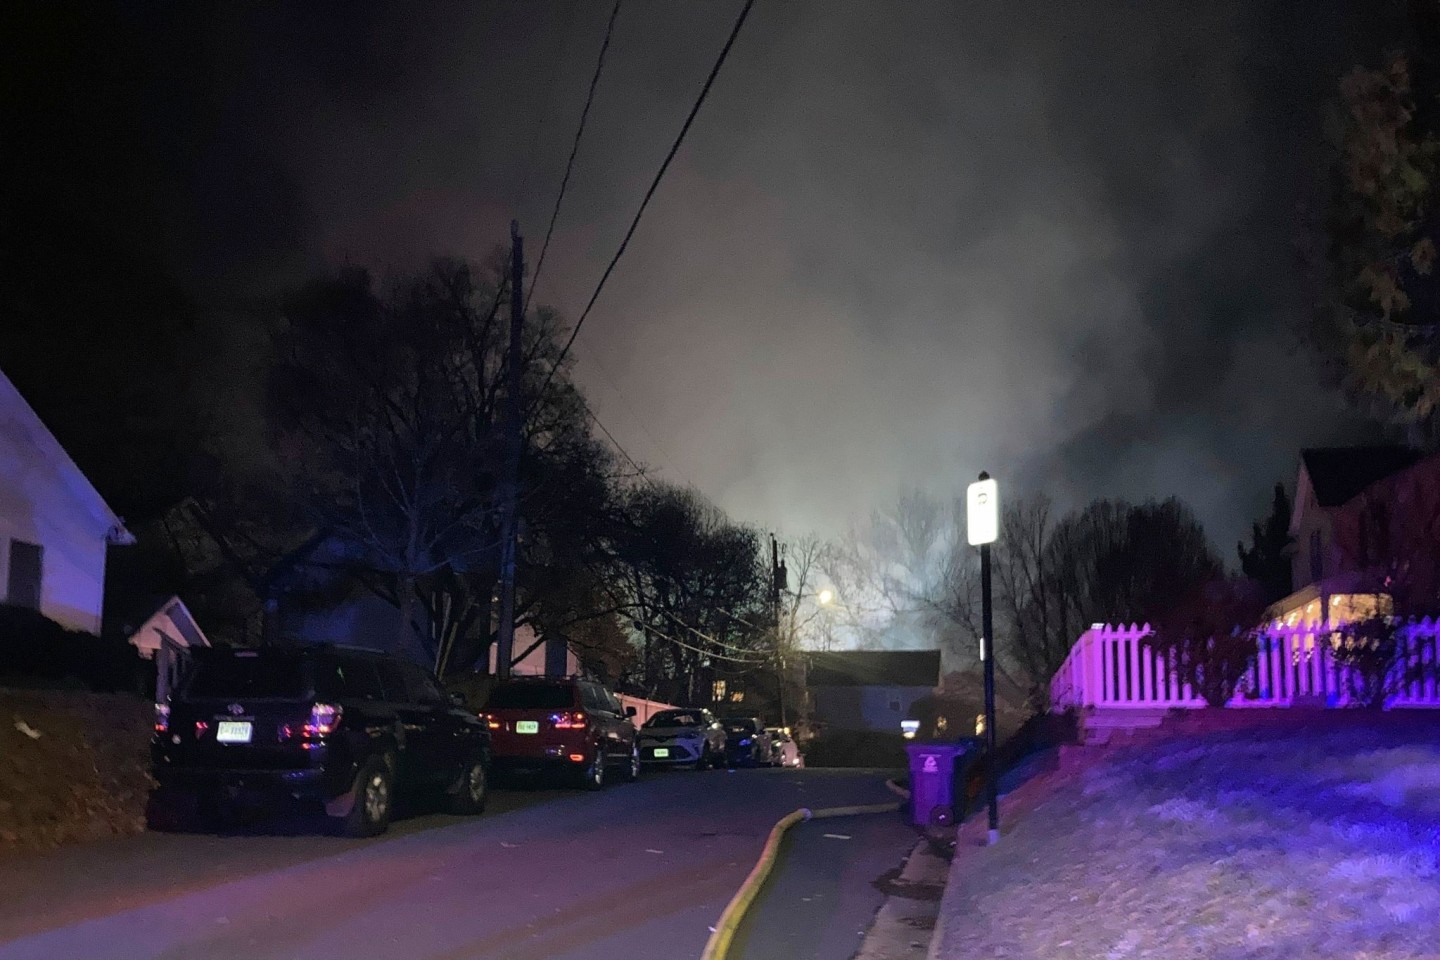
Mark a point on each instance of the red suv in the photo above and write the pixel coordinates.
(576, 727)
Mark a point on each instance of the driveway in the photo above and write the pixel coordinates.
(638, 870)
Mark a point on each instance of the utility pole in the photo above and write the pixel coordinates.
(778, 584)
(510, 488)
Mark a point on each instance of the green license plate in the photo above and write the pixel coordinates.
(662, 752)
(527, 726)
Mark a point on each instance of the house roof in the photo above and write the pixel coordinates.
(1339, 474)
(888, 668)
(15, 408)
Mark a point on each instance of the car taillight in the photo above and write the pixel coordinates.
(568, 720)
(491, 720)
(162, 717)
(324, 720)
(201, 728)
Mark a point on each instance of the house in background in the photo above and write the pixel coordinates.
(869, 689)
(1354, 505)
(55, 528)
(167, 638)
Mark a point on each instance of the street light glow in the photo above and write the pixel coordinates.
(825, 597)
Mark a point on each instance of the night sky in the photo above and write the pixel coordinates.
(903, 243)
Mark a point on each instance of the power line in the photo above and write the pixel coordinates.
(654, 185)
(574, 149)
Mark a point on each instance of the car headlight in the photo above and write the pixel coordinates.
(745, 742)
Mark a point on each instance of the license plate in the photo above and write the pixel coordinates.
(661, 753)
(233, 731)
(527, 726)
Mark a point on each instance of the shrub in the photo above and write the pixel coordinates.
(1211, 636)
(36, 651)
(1379, 660)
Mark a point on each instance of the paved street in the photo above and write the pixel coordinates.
(823, 893)
(638, 871)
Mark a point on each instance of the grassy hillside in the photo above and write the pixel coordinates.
(1292, 835)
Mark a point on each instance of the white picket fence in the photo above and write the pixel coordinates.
(1112, 667)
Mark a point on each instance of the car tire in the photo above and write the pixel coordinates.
(469, 796)
(373, 791)
(593, 776)
(703, 762)
(632, 766)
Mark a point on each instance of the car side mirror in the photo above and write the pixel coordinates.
(457, 699)
(629, 712)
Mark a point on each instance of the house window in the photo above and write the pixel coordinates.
(1317, 558)
(26, 569)
(717, 691)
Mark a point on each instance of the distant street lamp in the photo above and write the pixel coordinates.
(982, 523)
(825, 597)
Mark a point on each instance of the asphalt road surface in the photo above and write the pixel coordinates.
(825, 888)
(637, 871)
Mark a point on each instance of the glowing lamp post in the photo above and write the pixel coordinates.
(982, 528)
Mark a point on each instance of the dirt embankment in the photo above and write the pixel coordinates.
(73, 767)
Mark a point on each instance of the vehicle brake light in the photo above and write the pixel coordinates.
(324, 719)
(200, 728)
(162, 717)
(490, 721)
(568, 720)
(577, 757)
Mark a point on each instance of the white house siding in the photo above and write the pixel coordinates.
(865, 707)
(46, 500)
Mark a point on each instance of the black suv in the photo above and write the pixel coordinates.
(345, 727)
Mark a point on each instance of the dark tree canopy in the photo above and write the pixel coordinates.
(1267, 559)
(1378, 326)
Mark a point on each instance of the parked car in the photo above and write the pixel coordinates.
(346, 727)
(683, 738)
(575, 727)
(746, 742)
(784, 751)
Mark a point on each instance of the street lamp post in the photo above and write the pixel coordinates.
(982, 521)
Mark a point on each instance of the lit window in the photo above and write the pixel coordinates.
(718, 691)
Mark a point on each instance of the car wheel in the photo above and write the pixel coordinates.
(703, 761)
(369, 813)
(469, 797)
(632, 768)
(593, 777)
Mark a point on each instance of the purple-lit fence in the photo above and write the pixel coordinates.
(1113, 667)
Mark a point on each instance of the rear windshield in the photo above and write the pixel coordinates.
(740, 725)
(532, 696)
(676, 718)
(269, 674)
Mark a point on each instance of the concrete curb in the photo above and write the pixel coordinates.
(723, 933)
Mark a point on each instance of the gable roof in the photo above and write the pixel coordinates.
(1338, 474)
(15, 408)
(888, 668)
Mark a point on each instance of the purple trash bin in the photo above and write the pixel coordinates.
(932, 767)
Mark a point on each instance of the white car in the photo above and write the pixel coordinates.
(677, 738)
(784, 751)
